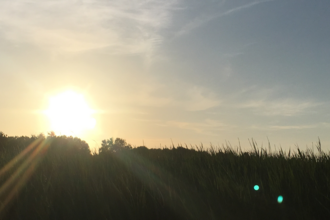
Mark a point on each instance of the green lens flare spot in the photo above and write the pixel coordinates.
(280, 199)
(256, 187)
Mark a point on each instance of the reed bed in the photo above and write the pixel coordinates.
(57, 177)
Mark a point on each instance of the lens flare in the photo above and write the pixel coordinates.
(280, 199)
(22, 168)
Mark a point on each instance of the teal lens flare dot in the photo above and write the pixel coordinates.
(256, 187)
(280, 199)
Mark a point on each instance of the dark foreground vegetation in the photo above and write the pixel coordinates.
(57, 177)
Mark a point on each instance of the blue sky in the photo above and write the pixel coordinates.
(161, 71)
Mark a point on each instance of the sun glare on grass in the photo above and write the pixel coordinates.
(69, 114)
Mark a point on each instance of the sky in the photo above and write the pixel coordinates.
(158, 73)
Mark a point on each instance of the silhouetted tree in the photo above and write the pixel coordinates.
(51, 134)
(114, 146)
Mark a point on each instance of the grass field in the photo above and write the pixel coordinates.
(59, 178)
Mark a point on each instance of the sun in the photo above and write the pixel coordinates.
(69, 114)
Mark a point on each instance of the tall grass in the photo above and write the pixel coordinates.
(67, 182)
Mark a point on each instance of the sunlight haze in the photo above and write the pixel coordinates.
(161, 72)
(69, 114)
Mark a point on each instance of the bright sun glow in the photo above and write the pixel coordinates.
(69, 114)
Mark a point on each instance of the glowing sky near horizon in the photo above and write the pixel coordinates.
(160, 71)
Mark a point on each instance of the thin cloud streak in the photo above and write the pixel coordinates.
(293, 127)
(300, 127)
(201, 20)
(288, 127)
(244, 7)
(285, 107)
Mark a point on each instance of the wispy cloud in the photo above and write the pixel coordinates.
(203, 19)
(185, 96)
(149, 96)
(244, 7)
(207, 127)
(281, 107)
(122, 26)
(292, 127)
(199, 99)
(284, 127)
(300, 127)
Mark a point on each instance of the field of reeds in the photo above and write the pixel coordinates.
(57, 177)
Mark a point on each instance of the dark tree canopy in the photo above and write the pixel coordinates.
(114, 146)
(57, 144)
